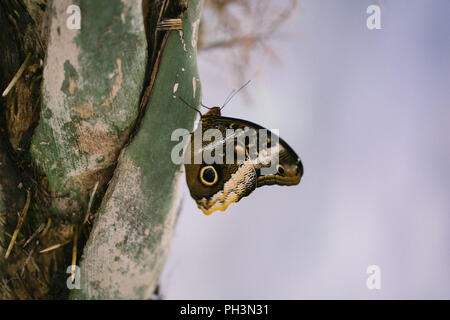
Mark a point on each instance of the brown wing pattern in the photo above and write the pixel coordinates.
(215, 186)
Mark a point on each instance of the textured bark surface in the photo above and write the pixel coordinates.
(129, 244)
(90, 98)
(91, 104)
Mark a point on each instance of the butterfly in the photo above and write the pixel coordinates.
(214, 185)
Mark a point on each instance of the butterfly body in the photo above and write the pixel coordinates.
(214, 186)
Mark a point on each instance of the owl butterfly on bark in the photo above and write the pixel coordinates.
(242, 157)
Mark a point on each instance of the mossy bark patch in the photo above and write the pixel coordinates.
(90, 97)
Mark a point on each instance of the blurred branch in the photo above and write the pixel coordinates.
(237, 37)
(238, 29)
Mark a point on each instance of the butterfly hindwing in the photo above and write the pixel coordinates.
(214, 186)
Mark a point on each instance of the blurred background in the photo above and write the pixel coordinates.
(368, 113)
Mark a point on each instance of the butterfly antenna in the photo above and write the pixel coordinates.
(232, 94)
(205, 106)
(228, 98)
(190, 106)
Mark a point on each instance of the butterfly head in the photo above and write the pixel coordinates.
(213, 111)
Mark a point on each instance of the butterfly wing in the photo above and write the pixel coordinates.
(235, 182)
(215, 186)
(289, 170)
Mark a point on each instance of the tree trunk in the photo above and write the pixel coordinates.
(96, 158)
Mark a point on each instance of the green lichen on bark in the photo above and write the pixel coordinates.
(90, 97)
(129, 243)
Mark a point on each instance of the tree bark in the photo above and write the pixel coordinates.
(92, 144)
(129, 244)
(90, 99)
